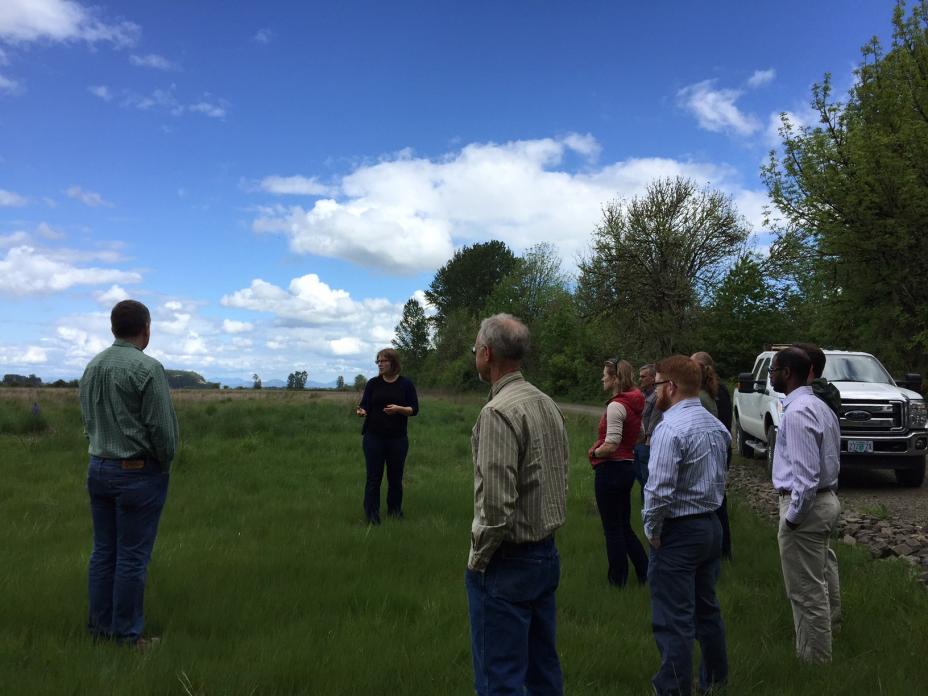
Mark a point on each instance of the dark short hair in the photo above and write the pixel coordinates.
(682, 371)
(816, 355)
(393, 357)
(129, 319)
(796, 359)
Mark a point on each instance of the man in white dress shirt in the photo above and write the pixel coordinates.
(806, 463)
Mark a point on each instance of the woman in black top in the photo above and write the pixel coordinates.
(388, 402)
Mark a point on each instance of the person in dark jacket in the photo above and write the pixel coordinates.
(612, 457)
(721, 400)
(388, 401)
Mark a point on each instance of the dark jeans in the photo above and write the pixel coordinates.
(642, 456)
(378, 452)
(613, 484)
(682, 576)
(126, 505)
(513, 619)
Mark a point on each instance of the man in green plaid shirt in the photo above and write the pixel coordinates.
(132, 428)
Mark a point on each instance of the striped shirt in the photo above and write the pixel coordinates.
(126, 406)
(807, 455)
(686, 472)
(520, 469)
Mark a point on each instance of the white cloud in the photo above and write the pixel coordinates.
(295, 185)
(159, 99)
(210, 108)
(9, 86)
(153, 60)
(309, 301)
(348, 345)
(8, 199)
(230, 326)
(26, 355)
(174, 305)
(23, 21)
(28, 271)
(715, 109)
(761, 77)
(18, 237)
(110, 297)
(101, 91)
(407, 214)
(263, 36)
(89, 198)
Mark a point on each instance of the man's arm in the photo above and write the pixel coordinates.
(159, 417)
(663, 468)
(804, 453)
(497, 463)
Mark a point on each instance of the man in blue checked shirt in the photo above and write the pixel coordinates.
(685, 487)
(806, 463)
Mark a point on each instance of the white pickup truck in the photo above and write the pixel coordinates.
(883, 425)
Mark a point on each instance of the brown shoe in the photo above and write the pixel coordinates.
(146, 643)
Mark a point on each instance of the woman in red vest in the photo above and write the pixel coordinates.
(612, 458)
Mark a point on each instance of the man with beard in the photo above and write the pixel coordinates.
(806, 463)
(684, 489)
(650, 417)
(520, 488)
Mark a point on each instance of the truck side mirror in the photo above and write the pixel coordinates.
(746, 383)
(913, 381)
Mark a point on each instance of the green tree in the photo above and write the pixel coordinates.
(852, 192)
(528, 289)
(297, 379)
(468, 278)
(340, 383)
(655, 259)
(360, 381)
(257, 381)
(412, 337)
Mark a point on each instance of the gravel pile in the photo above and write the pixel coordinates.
(885, 536)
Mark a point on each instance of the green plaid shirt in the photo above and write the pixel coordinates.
(126, 406)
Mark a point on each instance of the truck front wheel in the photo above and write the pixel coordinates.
(912, 476)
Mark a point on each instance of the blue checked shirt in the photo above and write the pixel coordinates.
(686, 476)
(807, 455)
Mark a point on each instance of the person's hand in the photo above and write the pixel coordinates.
(655, 542)
(393, 409)
(589, 453)
(361, 412)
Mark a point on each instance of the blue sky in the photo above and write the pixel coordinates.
(275, 180)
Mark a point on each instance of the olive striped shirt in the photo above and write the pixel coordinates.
(520, 453)
(126, 406)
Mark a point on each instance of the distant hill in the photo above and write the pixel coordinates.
(183, 379)
(235, 382)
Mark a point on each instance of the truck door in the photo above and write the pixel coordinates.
(752, 414)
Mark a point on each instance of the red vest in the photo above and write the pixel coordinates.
(633, 401)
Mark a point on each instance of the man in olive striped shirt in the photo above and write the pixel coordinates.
(520, 488)
(130, 422)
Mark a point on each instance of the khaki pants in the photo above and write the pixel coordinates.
(810, 573)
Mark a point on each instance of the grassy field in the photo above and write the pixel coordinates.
(265, 580)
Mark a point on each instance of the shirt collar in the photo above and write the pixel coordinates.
(683, 404)
(506, 379)
(795, 394)
(125, 344)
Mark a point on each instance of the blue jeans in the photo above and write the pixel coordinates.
(512, 621)
(613, 484)
(382, 451)
(642, 456)
(125, 504)
(682, 575)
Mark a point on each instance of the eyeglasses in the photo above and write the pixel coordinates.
(381, 361)
(775, 369)
(658, 383)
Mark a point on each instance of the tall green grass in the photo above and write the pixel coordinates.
(265, 579)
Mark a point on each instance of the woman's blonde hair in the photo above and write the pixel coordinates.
(623, 370)
(710, 380)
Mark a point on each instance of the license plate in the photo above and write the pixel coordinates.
(860, 446)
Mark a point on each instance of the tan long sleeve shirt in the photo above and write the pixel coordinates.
(520, 453)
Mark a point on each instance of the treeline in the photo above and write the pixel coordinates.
(672, 272)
